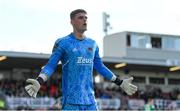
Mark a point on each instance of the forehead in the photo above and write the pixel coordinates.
(80, 14)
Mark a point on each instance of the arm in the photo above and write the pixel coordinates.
(52, 63)
(33, 85)
(125, 84)
(101, 68)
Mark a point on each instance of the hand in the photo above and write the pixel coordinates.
(129, 88)
(33, 87)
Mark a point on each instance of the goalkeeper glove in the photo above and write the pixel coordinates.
(34, 85)
(126, 85)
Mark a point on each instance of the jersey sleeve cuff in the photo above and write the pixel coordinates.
(113, 78)
(43, 76)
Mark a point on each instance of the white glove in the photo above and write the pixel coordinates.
(129, 88)
(32, 88)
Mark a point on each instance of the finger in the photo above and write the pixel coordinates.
(28, 87)
(30, 81)
(133, 86)
(128, 92)
(30, 91)
(132, 92)
(130, 79)
(34, 95)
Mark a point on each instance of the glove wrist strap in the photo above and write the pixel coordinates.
(40, 80)
(118, 81)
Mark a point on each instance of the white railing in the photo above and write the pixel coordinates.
(49, 102)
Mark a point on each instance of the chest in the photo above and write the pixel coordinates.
(81, 49)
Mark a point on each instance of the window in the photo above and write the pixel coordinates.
(156, 42)
(128, 40)
(140, 41)
(174, 81)
(139, 79)
(154, 80)
(171, 43)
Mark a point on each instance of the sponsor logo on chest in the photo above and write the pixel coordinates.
(82, 60)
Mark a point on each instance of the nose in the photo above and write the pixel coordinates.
(82, 17)
(85, 18)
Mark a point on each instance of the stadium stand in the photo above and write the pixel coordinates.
(144, 56)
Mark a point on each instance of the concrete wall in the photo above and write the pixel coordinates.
(152, 53)
(115, 45)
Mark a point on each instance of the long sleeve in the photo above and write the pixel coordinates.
(100, 67)
(55, 57)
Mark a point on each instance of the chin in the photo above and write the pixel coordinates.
(84, 30)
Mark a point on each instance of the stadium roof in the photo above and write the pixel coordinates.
(157, 62)
(37, 60)
(138, 64)
(22, 60)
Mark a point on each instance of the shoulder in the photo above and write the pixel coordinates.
(63, 40)
(90, 40)
(92, 43)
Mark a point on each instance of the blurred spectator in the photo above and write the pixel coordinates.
(50, 89)
(3, 102)
(149, 105)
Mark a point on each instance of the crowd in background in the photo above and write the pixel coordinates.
(12, 87)
(52, 89)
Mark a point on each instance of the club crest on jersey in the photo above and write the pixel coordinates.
(90, 49)
(82, 60)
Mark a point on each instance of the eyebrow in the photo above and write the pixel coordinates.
(81, 17)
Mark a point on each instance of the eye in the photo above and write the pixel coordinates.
(82, 17)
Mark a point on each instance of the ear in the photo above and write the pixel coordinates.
(71, 22)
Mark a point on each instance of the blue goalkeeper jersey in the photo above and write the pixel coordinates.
(78, 58)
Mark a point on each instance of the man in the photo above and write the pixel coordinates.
(79, 55)
(3, 101)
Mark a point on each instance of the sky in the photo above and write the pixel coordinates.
(34, 25)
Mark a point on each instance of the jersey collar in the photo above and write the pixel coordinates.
(73, 36)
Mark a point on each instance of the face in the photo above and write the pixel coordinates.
(79, 22)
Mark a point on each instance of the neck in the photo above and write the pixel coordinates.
(79, 35)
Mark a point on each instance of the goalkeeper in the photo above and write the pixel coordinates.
(79, 55)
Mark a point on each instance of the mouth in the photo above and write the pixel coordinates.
(85, 24)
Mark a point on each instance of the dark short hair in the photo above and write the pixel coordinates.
(74, 12)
